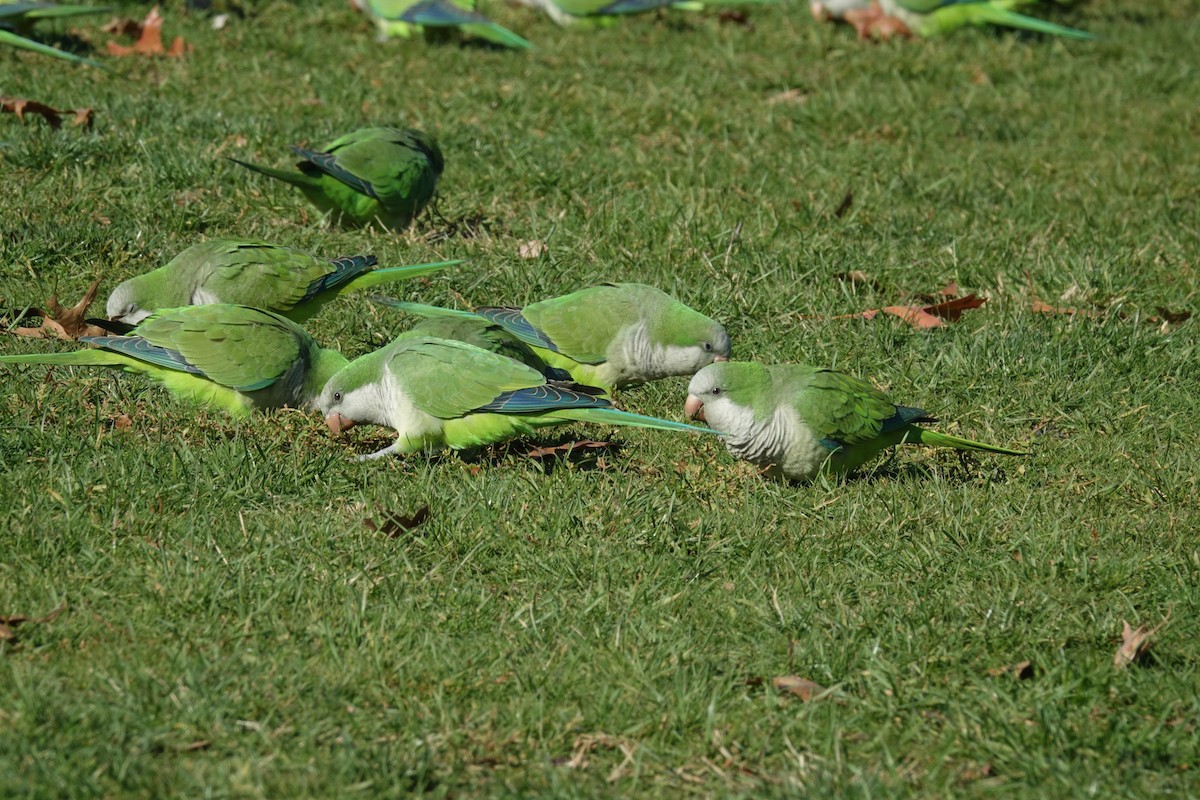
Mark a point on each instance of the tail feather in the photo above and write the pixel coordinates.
(1000, 16)
(76, 358)
(611, 416)
(420, 309)
(390, 274)
(934, 439)
(16, 40)
(498, 34)
(294, 178)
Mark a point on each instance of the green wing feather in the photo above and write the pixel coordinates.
(836, 405)
(448, 379)
(246, 349)
(16, 40)
(584, 324)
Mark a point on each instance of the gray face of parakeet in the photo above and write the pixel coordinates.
(122, 305)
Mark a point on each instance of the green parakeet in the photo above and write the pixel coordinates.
(935, 17)
(796, 420)
(372, 174)
(17, 20)
(253, 273)
(403, 18)
(438, 393)
(606, 12)
(234, 358)
(488, 336)
(609, 336)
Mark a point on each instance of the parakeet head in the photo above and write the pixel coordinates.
(355, 394)
(688, 340)
(728, 395)
(123, 303)
(427, 145)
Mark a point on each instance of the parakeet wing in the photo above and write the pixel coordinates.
(515, 323)
(448, 379)
(843, 408)
(244, 348)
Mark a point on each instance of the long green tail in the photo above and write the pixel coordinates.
(611, 416)
(934, 439)
(390, 274)
(78, 358)
(420, 309)
(980, 13)
(8, 37)
(294, 178)
(498, 34)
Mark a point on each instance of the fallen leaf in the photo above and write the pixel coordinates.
(931, 316)
(395, 524)
(1134, 642)
(9, 623)
(149, 42)
(788, 96)
(532, 248)
(1022, 670)
(735, 17)
(54, 117)
(1173, 317)
(566, 448)
(803, 688)
(123, 422)
(57, 321)
(122, 27)
(845, 205)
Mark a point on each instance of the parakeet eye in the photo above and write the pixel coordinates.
(708, 347)
(337, 397)
(716, 390)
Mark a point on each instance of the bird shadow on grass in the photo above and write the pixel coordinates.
(470, 225)
(966, 470)
(550, 453)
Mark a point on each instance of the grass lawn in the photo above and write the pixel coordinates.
(232, 628)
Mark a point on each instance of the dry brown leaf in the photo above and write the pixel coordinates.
(844, 206)
(788, 96)
(60, 322)
(9, 623)
(735, 17)
(531, 249)
(123, 422)
(54, 117)
(566, 448)
(1134, 642)
(803, 688)
(395, 524)
(149, 42)
(1022, 670)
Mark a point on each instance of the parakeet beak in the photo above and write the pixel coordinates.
(819, 12)
(338, 424)
(694, 408)
(720, 358)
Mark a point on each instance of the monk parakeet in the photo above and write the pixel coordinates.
(371, 174)
(253, 273)
(584, 13)
(489, 336)
(609, 336)
(796, 420)
(17, 20)
(403, 18)
(885, 18)
(230, 357)
(439, 393)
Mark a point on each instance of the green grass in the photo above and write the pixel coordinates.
(233, 629)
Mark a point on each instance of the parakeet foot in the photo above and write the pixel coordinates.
(871, 23)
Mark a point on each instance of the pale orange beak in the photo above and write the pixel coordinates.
(720, 358)
(694, 408)
(338, 424)
(819, 12)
